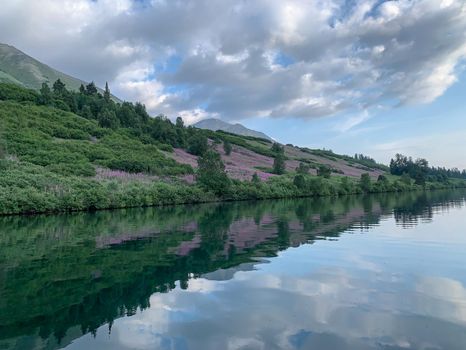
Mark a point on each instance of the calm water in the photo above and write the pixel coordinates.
(379, 272)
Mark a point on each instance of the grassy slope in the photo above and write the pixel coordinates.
(53, 161)
(18, 68)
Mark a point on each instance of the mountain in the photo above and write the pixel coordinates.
(238, 129)
(18, 68)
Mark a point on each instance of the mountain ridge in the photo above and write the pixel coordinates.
(215, 124)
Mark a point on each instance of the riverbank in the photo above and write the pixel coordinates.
(30, 189)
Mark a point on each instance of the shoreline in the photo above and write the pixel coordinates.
(220, 200)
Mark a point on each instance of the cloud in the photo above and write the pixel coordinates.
(290, 58)
(353, 121)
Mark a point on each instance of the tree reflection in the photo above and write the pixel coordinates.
(65, 272)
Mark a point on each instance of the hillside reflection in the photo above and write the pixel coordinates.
(67, 275)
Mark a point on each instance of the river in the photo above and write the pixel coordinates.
(359, 272)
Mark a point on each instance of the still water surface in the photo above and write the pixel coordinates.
(377, 272)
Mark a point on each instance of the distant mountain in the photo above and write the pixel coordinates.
(238, 129)
(18, 68)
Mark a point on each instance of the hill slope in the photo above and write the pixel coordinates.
(65, 150)
(18, 68)
(238, 129)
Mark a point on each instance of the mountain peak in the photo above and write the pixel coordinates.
(215, 124)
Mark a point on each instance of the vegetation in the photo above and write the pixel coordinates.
(211, 173)
(227, 147)
(324, 171)
(279, 159)
(420, 172)
(55, 144)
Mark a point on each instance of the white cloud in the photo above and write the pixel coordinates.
(340, 55)
(353, 121)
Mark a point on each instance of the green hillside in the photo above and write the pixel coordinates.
(18, 68)
(62, 150)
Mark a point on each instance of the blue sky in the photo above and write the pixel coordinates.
(368, 76)
(436, 131)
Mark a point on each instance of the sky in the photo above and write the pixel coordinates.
(355, 76)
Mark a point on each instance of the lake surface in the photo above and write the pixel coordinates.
(374, 272)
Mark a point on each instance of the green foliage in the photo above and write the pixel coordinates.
(303, 169)
(52, 142)
(324, 171)
(198, 144)
(299, 181)
(420, 171)
(365, 183)
(279, 165)
(227, 147)
(211, 173)
(16, 93)
(406, 179)
(255, 179)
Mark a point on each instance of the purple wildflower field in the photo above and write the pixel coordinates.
(109, 174)
(340, 164)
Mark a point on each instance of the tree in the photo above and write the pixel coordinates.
(365, 182)
(227, 147)
(45, 95)
(107, 95)
(82, 89)
(91, 89)
(197, 144)
(58, 87)
(324, 171)
(211, 173)
(299, 181)
(179, 122)
(108, 119)
(302, 169)
(277, 148)
(279, 165)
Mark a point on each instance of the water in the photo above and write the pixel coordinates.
(378, 272)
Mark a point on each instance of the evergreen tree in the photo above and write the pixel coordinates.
(227, 147)
(45, 95)
(58, 87)
(91, 89)
(211, 173)
(279, 165)
(179, 122)
(277, 148)
(107, 95)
